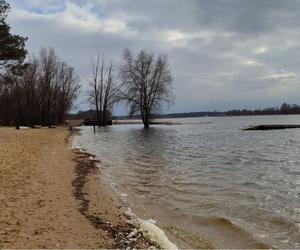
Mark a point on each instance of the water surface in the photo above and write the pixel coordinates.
(207, 177)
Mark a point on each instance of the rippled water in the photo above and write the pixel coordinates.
(208, 177)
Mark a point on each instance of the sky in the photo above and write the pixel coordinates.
(223, 54)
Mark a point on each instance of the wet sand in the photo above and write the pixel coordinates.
(51, 196)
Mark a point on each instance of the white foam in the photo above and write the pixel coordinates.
(133, 233)
(154, 233)
(152, 221)
(129, 212)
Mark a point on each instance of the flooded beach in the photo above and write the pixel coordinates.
(205, 178)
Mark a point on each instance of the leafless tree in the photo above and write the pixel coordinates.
(146, 83)
(41, 94)
(104, 89)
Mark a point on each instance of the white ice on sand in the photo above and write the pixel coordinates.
(154, 233)
(23, 127)
(150, 231)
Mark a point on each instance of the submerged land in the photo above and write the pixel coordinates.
(52, 197)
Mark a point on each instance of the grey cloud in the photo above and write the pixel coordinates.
(222, 53)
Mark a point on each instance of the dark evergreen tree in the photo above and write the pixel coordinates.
(12, 47)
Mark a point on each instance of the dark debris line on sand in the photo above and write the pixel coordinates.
(119, 233)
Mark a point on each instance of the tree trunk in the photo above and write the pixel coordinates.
(145, 118)
(104, 118)
(98, 115)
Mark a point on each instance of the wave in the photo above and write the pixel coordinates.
(191, 239)
(234, 232)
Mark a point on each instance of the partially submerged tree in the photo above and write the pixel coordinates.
(146, 83)
(12, 47)
(104, 90)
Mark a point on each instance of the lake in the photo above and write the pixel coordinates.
(205, 177)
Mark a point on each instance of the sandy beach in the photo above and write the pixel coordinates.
(50, 196)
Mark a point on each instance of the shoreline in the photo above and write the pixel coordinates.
(54, 196)
(86, 177)
(160, 233)
(211, 232)
(51, 196)
(133, 232)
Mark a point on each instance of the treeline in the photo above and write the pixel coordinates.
(284, 109)
(38, 93)
(190, 114)
(42, 91)
(82, 115)
(175, 115)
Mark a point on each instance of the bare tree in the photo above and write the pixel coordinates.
(146, 83)
(104, 90)
(94, 94)
(41, 94)
(66, 90)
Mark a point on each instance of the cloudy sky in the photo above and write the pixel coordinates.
(223, 54)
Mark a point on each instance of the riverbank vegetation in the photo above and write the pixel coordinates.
(38, 91)
(104, 90)
(41, 93)
(41, 90)
(12, 49)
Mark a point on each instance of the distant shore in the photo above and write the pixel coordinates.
(136, 121)
(51, 196)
